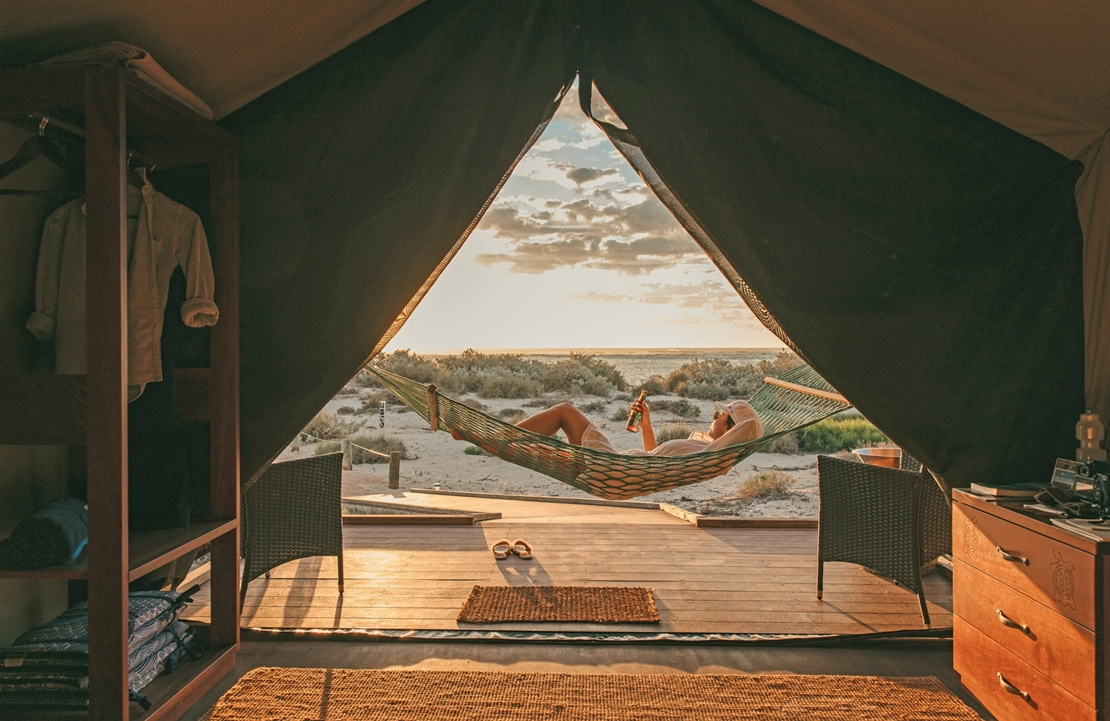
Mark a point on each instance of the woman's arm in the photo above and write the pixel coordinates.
(647, 430)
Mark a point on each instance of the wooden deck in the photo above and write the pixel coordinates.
(705, 580)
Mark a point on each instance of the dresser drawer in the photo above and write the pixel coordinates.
(1052, 573)
(1051, 643)
(986, 670)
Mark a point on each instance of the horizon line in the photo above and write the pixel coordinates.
(609, 350)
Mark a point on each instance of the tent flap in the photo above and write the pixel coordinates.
(360, 174)
(925, 259)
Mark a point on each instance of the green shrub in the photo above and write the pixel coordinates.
(506, 375)
(326, 426)
(681, 407)
(476, 405)
(474, 451)
(839, 433)
(620, 414)
(536, 403)
(346, 411)
(655, 386)
(511, 415)
(671, 431)
(582, 373)
(787, 444)
(372, 401)
(379, 442)
(718, 379)
(409, 365)
(764, 485)
(509, 386)
(594, 407)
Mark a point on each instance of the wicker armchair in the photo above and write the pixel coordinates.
(894, 522)
(292, 511)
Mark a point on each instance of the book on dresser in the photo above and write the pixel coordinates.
(1017, 491)
(1095, 529)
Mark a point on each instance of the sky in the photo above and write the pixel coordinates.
(577, 252)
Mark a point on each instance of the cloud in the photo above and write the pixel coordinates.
(534, 258)
(712, 296)
(543, 235)
(581, 176)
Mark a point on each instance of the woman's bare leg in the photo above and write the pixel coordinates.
(562, 417)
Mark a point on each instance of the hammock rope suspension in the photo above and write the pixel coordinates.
(794, 400)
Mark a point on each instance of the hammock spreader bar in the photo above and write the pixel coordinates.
(794, 400)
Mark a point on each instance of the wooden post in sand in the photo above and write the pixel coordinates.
(345, 444)
(395, 469)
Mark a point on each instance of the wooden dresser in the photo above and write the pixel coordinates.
(1029, 626)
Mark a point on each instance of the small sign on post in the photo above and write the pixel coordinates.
(381, 414)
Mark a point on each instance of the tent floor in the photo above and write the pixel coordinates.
(705, 580)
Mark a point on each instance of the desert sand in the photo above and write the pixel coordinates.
(435, 458)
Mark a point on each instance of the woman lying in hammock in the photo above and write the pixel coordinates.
(738, 420)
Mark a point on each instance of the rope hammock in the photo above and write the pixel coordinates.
(794, 400)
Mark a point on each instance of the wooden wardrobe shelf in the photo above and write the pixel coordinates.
(147, 550)
(51, 409)
(117, 113)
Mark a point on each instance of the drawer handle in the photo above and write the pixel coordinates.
(1011, 557)
(1007, 621)
(1010, 688)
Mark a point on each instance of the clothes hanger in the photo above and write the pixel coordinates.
(31, 149)
(34, 147)
(42, 145)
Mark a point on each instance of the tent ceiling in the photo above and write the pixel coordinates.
(228, 52)
(231, 51)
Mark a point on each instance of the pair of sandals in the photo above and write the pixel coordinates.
(503, 548)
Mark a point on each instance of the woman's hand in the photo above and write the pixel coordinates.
(646, 429)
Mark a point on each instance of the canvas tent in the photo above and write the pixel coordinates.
(947, 184)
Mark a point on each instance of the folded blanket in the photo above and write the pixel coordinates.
(56, 533)
(49, 665)
(139, 63)
(60, 679)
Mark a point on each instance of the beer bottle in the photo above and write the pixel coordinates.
(636, 413)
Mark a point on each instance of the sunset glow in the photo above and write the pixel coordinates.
(576, 252)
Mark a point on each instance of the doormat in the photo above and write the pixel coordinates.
(592, 604)
(300, 694)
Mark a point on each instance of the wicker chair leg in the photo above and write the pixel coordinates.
(340, 556)
(924, 609)
(820, 576)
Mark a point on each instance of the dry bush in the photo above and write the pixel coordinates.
(379, 442)
(671, 431)
(594, 407)
(764, 485)
(511, 415)
(326, 426)
(787, 444)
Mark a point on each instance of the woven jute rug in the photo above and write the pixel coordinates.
(594, 604)
(313, 694)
